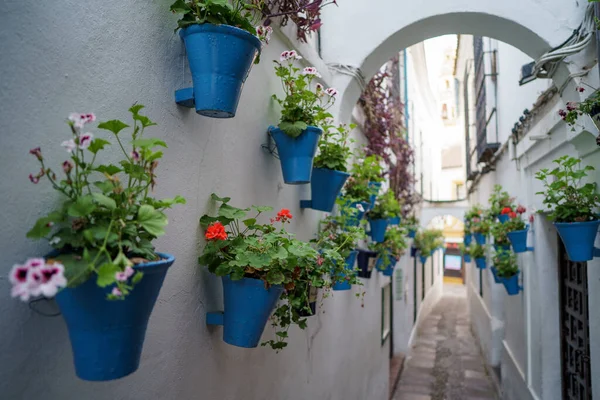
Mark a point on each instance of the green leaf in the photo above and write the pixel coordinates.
(223, 270)
(77, 268)
(148, 143)
(104, 201)
(105, 186)
(82, 207)
(108, 169)
(178, 7)
(41, 228)
(262, 209)
(275, 277)
(230, 212)
(221, 199)
(106, 274)
(151, 220)
(137, 277)
(249, 221)
(115, 126)
(97, 145)
(294, 129)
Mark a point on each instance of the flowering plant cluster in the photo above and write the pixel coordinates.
(505, 262)
(385, 207)
(334, 147)
(499, 201)
(515, 222)
(242, 247)
(107, 220)
(565, 196)
(465, 250)
(394, 244)
(499, 231)
(590, 106)
(477, 250)
(426, 241)
(364, 171)
(473, 216)
(411, 223)
(481, 225)
(303, 105)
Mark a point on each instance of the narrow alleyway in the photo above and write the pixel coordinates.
(445, 362)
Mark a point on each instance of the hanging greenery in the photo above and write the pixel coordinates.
(385, 131)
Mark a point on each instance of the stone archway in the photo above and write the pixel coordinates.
(384, 27)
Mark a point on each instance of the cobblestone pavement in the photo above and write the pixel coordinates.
(445, 362)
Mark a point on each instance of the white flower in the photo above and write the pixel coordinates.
(319, 87)
(264, 33)
(332, 92)
(311, 71)
(36, 278)
(289, 55)
(54, 240)
(79, 120)
(360, 207)
(85, 140)
(69, 145)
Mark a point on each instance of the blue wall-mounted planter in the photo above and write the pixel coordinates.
(467, 257)
(378, 228)
(412, 233)
(518, 241)
(467, 239)
(394, 221)
(387, 270)
(296, 154)
(354, 220)
(423, 259)
(366, 261)
(107, 336)
(512, 284)
(340, 282)
(497, 279)
(375, 186)
(325, 186)
(578, 238)
(413, 251)
(505, 247)
(480, 239)
(480, 263)
(313, 294)
(248, 306)
(220, 58)
(503, 218)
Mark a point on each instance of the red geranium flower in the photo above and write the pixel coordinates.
(512, 214)
(284, 215)
(521, 209)
(506, 210)
(216, 231)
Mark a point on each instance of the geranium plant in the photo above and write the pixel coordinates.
(304, 104)
(334, 147)
(515, 222)
(499, 231)
(240, 247)
(566, 197)
(107, 218)
(395, 245)
(505, 262)
(475, 213)
(574, 110)
(427, 240)
(364, 171)
(481, 225)
(499, 201)
(477, 250)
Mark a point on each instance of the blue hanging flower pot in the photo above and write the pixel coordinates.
(296, 154)
(497, 279)
(412, 233)
(413, 251)
(366, 261)
(423, 259)
(340, 282)
(467, 257)
(313, 294)
(248, 306)
(325, 186)
(375, 186)
(467, 239)
(503, 247)
(378, 228)
(107, 336)
(503, 218)
(480, 263)
(220, 58)
(394, 221)
(512, 284)
(518, 240)
(354, 220)
(480, 239)
(578, 238)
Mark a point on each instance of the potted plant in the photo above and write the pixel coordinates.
(304, 110)
(472, 216)
(104, 271)
(517, 231)
(507, 271)
(260, 263)
(427, 241)
(372, 172)
(221, 43)
(589, 107)
(391, 249)
(481, 228)
(478, 253)
(366, 261)
(500, 204)
(379, 217)
(465, 251)
(467, 238)
(329, 170)
(572, 206)
(412, 226)
(334, 234)
(499, 230)
(392, 206)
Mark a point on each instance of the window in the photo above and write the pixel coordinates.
(444, 111)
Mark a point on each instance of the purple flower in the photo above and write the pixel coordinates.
(67, 166)
(135, 156)
(117, 292)
(36, 152)
(332, 92)
(311, 71)
(121, 276)
(85, 140)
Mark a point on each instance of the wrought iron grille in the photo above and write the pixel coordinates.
(575, 335)
(480, 96)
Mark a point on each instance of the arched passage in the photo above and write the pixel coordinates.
(391, 27)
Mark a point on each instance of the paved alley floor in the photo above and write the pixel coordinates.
(445, 362)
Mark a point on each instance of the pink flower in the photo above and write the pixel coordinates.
(360, 207)
(121, 276)
(34, 179)
(85, 140)
(129, 271)
(18, 274)
(264, 33)
(117, 292)
(311, 71)
(36, 152)
(580, 89)
(320, 261)
(67, 166)
(571, 106)
(521, 209)
(35, 278)
(79, 120)
(135, 156)
(319, 87)
(289, 55)
(531, 218)
(69, 145)
(332, 92)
